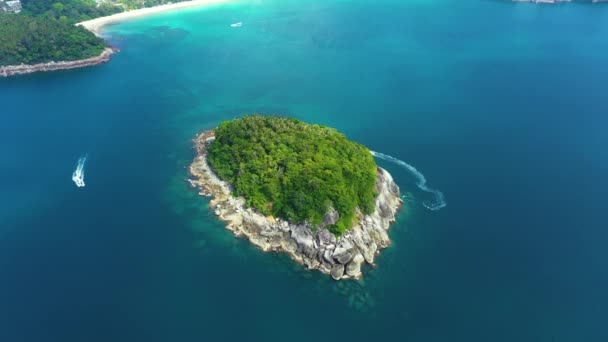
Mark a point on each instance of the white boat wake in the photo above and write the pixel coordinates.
(421, 181)
(239, 24)
(78, 175)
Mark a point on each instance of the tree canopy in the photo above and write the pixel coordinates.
(72, 11)
(31, 40)
(80, 10)
(45, 30)
(293, 170)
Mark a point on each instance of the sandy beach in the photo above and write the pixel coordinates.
(95, 25)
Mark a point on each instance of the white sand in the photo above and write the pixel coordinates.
(95, 25)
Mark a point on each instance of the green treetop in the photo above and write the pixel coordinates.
(31, 40)
(293, 170)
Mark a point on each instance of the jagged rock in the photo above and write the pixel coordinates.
(369, 253)
(344, 252)
(320, 254)
(343, 247)
(331, 217)
(325, 238)
(353, 268)
(344, 258)
(325, 267)
(312, 263)
(384, 209)
(289, 245)
(269, 232)
(235, 219)
(257, 222)
(303, 236)
(327, 257)
(260, 241)
(337, 271)
(276, 243)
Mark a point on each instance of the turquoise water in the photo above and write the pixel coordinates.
(501, 106)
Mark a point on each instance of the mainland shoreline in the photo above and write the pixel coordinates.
(23, 69)
(97, 24)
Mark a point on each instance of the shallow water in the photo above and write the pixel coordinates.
(501, 106)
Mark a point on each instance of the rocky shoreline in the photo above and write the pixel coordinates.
(23, 69)
(316, 249)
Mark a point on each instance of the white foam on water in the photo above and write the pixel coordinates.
(420, 181)
(78, 175)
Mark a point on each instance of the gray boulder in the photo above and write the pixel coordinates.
(370, 253)
(331, 217)
(337, 271)
(303, 237)
(353, 268)
(345, 258)
(325, 238)
(327, 257)
(343, 250)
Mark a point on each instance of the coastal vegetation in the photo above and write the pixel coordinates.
(72, 11)
(136, 4)
(44, 31)
(293, 170)
(80, 10)
(30, 40)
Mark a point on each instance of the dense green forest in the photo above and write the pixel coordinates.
(294, 170)
(80, 10)
(30, 40)
(72, 11)
(44, 31)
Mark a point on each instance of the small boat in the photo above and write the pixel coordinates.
(78, 175)
(239, 24)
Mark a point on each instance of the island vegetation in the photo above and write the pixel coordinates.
(293, 170)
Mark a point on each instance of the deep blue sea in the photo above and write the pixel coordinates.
(502, 106)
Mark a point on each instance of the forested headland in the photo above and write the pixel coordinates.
(31, 40)
(44, 31)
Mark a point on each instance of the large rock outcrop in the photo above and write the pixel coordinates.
(315, 248)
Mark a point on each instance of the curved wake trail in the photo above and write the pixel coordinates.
(78, 175)
(421, 181)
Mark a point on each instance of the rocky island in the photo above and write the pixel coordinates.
(297, 188)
